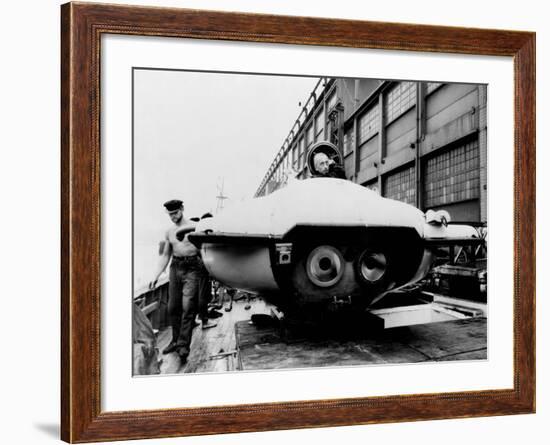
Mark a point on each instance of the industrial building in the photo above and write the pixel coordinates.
(424, 143)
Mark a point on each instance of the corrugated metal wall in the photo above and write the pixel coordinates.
(421, 143)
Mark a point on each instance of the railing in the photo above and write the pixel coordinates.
(154, 303)
(318, 90)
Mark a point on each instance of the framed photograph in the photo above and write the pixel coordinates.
(274, 222)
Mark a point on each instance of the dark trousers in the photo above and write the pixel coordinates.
(182, 301)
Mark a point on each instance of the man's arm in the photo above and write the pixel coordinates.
(336, 171)
(164, 259)
(180, 234)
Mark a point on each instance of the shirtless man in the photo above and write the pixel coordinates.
(185, 270)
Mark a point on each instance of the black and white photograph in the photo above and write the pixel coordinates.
(289, 222)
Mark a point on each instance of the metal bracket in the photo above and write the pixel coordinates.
(284, 253)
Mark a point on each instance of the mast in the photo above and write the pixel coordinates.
(220, 197)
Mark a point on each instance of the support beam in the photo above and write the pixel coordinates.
(381, 139)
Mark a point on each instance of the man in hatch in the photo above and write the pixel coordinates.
(326, 167)
(185, 270)
(323, 161)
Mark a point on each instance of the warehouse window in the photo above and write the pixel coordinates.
(432, 86)
(400, 99)
(368, 124)
(452, 176)
(302, 154)
(331, 103)
(319, 125)
(401, 186)
(349, 141)
(372, 185)
(309, 135)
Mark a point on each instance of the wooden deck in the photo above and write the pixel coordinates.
(211, 349)
(442, 341)
(237, 344)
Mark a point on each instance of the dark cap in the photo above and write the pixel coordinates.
(206, 215)
(173, 205)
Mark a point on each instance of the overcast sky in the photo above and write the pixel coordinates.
(194, 130)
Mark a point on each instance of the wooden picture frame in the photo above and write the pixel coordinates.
(82, 26)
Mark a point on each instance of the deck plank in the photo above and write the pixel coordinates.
(438, 340)
(270, 348)
(208, 342)
(442, 341)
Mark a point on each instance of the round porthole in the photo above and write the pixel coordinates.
(325, 266)
(372, 266)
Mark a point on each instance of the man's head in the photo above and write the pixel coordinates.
(321, 162)
(174, 208)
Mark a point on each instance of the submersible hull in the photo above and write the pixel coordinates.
(322, 239)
